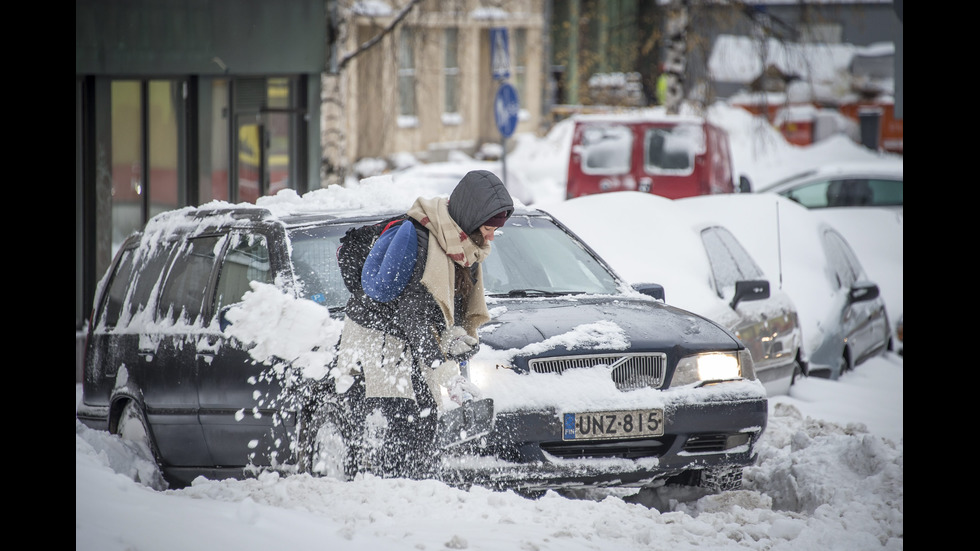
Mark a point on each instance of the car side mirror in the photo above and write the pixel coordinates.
(862, 291)
(744, 185)
(654, 290)
(750, 289)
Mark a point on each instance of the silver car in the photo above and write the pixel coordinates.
(842, 312)
(854, 184)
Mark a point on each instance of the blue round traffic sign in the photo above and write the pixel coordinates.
(505, 109)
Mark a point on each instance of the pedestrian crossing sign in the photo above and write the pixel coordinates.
(499, 53)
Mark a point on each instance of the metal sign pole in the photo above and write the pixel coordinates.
(503, 157)
(505, 105)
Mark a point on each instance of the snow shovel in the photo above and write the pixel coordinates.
(473, 419)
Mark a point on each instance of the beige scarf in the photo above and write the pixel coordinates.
(448, 244)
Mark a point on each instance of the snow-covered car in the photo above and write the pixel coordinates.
(877, 237)
(843, 313)
(702, 267)
(441, 177)
(871, 183)
(214, 331)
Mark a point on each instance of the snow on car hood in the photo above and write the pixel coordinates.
(554, 327)
(644, 324)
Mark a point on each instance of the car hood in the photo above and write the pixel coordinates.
(557, 326)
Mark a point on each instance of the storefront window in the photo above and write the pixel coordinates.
(214, 155)
(126, 160)
(250, 153)
(165, 104)
(280, 129)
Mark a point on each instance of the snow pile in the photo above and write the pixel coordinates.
(820, 483)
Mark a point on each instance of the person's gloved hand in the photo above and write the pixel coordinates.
(462, 390)
(440, 374)
(457, 344)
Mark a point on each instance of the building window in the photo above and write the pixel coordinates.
(214, 102)
(126, 159)
(280, 126)
(450, 71)
(147, 117)
(165, 103)
(406, 78)
(267, 125)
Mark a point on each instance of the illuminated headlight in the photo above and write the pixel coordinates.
(480, 372)
(713, 366)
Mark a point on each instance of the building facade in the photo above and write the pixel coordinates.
(426, 86)
(179, 103)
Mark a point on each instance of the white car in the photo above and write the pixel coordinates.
(843, 313)
(872, 183)
(703, 269)
(441, 177)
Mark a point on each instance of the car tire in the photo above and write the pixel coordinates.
(797, 372)
(843, 366)
(532, 495)
(133, 429)
(329, 447)
(720, 479)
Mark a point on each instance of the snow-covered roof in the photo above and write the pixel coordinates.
(742, 59)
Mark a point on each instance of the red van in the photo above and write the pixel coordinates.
(672, 156)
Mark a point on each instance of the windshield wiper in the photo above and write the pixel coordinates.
(536, 293)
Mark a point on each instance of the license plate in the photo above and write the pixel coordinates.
(597, 425)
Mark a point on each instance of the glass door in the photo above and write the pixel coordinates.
(251, 158)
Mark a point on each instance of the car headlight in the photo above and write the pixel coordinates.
(481, 372)
(713, 366)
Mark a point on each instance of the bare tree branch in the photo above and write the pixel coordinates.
(377, 38)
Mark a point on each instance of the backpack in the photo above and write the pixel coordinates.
(354, 248)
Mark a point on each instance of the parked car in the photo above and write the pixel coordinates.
(900, 334)
(702, 267)
(877, 237)
(649, 151)
(591, 382)
(851, 184)
(440, 178)
(844, 317)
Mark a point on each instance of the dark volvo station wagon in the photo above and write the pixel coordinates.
(586, 381)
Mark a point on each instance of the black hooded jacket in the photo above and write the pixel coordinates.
(414, 316)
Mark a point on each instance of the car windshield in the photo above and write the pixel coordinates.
(534, 257)
(531, 257)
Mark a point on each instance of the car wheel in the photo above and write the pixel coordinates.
(329, 448)
(843, 366)
(712, 479)
(721, 479)
(133, 429)
(845, 363)
(797, 372)
(527, 493)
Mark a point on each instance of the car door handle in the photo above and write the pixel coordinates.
(207, 347)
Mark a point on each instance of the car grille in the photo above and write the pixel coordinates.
(629, 371)
(626, 449)
(715, 442)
